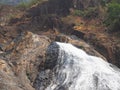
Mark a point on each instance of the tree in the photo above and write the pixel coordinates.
(113, 18)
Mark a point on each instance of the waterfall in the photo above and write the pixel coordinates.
(74, 69)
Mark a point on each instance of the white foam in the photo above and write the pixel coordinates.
(76, 70)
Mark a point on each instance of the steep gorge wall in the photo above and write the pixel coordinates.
(62, 7)
(59, 7)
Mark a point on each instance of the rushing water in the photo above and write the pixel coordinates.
(76, 70)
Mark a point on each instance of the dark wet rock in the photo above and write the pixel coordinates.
(51, 56)
(43, 80)
(78, 34)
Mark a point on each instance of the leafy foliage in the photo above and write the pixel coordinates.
(113, 17)
(89, 13)
(78, 13)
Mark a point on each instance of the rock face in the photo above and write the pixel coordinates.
(108, 47)
(8, 81)
(84, 4)
(59, 7)
(22, 57)
(21, 60)
(67, 67)
(7, 12)
(44, 77)
(23, 53)
(78, 43)
(62, 7)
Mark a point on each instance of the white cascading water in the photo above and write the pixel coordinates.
(76, 70)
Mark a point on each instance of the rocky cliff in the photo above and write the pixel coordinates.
(20, 61)
(24, 40)
(23, 56)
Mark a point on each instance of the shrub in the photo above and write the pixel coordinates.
(113, 17)
(89, 13)
(103, 2)
(78, 13)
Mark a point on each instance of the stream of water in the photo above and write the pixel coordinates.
(76, 70)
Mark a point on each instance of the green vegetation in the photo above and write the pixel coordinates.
(113, 16)
(78, 13)
(89, 13)
(115, 1)
(108, 11)
(104, 2)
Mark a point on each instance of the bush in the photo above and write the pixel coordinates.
(113, 17)
(115, 1)
(89, 13)
(104, 2)
(78, 13)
